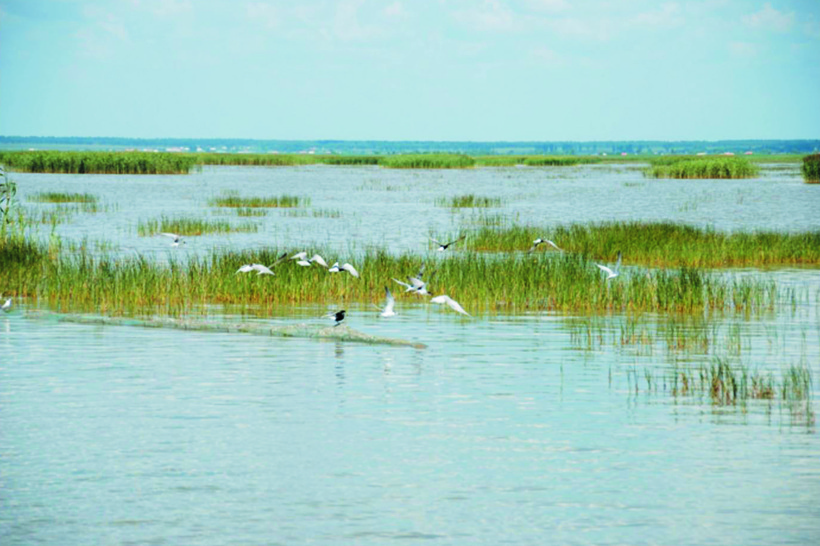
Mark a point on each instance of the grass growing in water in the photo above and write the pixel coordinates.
(702, 167)
(251, 212)
(282, 201)
(660, 244)
(81, 162)
(61, 197)
(811, 168)
(468, 201)
(190, 226)
(427, 161)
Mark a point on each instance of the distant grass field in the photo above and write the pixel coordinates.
(702, 167)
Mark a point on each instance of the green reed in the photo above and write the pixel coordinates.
(191, 226)
(811, 168)
(468, 201)
(353, 160)
(281, 201)
(427, 161)
(568, 283)
(83, 162)
(250, 211)
(263, 160)
(62, 197)
(702, 167)
(661, 244)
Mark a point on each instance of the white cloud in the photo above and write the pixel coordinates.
(770, 19)
(668, 16)
(396, 9)
(547, 5)
(547, 56)
(492, 15)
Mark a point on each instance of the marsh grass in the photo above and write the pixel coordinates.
(427, 161)
(260, 160)
(250, 211)
(63, 197)
(469, 201)
(281, 201)
(191, 226)
(87, 162)
(315, 213)
(659, 244)
(702, 167)
(481, 283)
(811, 168)
(351, 160)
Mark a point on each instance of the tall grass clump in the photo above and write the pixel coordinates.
(702, 167)
(468, 201)
(87, 162)
(191, 226)
(659, 244)
(559, 161)
(262, 160)
(811, 168)
(354, 160)
(427, 161)
(63, 197)
(281, 201)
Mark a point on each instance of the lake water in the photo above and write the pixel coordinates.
(526, 429)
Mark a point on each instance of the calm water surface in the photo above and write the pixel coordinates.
(506, 430)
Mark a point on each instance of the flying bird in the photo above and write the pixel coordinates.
(443, 246)
(540, 241)
(334, 268)
(389, 304)
(350, 269)
(6, 307)
(417, 286)
(453, 304)
(177, 239)
(319, 260)
(299, 256)
(338, 316)
(262, 269)
(611, 273)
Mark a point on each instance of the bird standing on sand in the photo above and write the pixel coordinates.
(338, 316)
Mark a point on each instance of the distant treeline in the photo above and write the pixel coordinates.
(382, 147)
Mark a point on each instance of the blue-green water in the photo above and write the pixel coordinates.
(520, 429)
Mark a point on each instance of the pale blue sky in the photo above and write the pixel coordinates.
(411, 69)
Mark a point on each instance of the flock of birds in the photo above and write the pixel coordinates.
(415, 285)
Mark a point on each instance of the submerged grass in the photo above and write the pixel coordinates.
(661, 244)
(82, 162)
(281, 201)
(811, 168)
(702, 167)
(191, 226)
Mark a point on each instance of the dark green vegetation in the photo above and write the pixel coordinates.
(469, 201)
(658, 244)
(63, 197)
(98, 162)
(811, 168)
(702, 167)
(191, 226)
(282, 201)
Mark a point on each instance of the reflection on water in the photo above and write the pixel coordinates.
(505, 429)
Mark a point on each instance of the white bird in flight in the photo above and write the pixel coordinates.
(443, 246)
(417, 286)
(389, 304)
(262, 269)
(334, 268)
(177, 239)
(540, 241)
(299, 256)
(453, 304)
(611, 273)
(6, 307)
(350, 269)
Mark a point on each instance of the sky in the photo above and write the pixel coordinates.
(482, 70)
